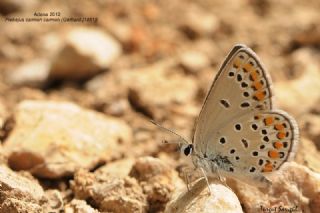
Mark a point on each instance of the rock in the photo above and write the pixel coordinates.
(10, 6)
(19, 206)
(311, 127)
(54, 202)
(79, 206)
(121, 29)
(315, 203)
(199, 200)
(118, 108)
(107, 88)
(132, 37)
(157, 180)
(33, 73)
(54, 139)
(151, 11)
(108, 193)
(156, 86)
(147, 189)
(308, 154)
(9, 52)
(291, 94)
(316, 108)
(194, 61)
(3, 117)
(294, 186)
(148, 88)
(94, 48)
(3, 111)
(199, 23)
(308, 37)
(2, 156)
(52, 43)
(18, 193)
(119, 168)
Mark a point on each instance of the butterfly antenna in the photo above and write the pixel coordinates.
(171, 131)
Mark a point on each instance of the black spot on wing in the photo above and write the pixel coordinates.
(225, 103)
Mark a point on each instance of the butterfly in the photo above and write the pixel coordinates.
(238, 133)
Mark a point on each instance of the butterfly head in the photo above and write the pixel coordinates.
(187, 149)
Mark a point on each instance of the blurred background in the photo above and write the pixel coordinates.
(136, 60)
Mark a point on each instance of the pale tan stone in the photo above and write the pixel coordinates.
(119, 168)
(79, 206)
(54, 139)
(158, 181)
(294, 186)
(54, 201)
(32, 73)
(94, 48)
(194, 61)
(200, 200)
(298, 96)
(19, 193)
(109, 193)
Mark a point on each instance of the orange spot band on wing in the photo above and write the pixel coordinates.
(281, 135)
(277, 145)
(260, 95)
(267, 167)
(268, 121)
(254, 75)
(279, 127)
(248, 67)
(273, 154)
(257, 85)
(237, 62)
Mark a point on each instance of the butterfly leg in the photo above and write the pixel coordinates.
(223, 180)
(187, 173)
(186, 176)
(220, 177)
(206, 178)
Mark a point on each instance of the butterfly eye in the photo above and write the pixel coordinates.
(188, 150)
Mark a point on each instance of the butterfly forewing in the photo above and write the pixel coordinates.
(241, 87)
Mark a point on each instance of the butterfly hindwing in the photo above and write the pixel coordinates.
(255, 143)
